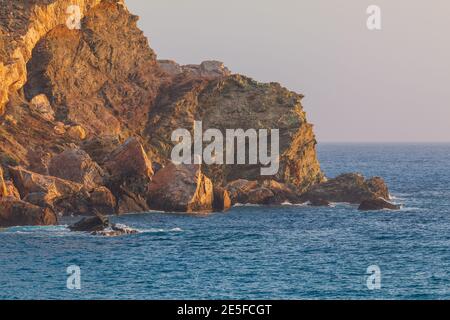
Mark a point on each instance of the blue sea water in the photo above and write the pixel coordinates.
(288, 252)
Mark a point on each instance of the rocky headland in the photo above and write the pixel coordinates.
(86, 117)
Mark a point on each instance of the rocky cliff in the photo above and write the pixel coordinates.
(91, 108)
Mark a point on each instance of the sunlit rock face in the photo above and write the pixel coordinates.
(95, 88)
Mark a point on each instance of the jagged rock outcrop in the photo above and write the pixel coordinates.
(63, 196)
(206, 70)
(377, 204)
(77, 166)
(268, 192)
(22, 25)
(130, 173)
(14, 212)
(349, 188)
(115, 87)
(87, 115)
(181, 188)
(100, 225)
(238, 102)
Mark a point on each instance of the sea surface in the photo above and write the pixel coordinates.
(251, 252)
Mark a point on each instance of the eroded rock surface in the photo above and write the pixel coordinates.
(349, 188)
(63, 196)
(76, 165)
(100, 225)
(130, 173)
(181, 188)
(86, 118)
(268, 192)
(377, 204)
(14, 212)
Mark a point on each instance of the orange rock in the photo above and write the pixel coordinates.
(77, 133)
(41, 106)
(15, 212)
(76, 165)
(181, 188)
(59, 129)
(3, 190)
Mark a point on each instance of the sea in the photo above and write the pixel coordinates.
(254, 252)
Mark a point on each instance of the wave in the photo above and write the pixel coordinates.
(153, 230)
(287, 203)
(63, 230)
(247, 205)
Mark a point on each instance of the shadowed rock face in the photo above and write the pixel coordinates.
(350, 188)
(130, 173)
(377, 204)
(14, 212)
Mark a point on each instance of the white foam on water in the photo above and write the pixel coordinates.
(247, 205)
(154, 230)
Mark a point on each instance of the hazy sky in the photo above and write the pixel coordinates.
(359, 85)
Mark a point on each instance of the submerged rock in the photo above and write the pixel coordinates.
(377, 204)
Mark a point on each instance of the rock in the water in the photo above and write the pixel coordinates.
(379, 187)
(101, 226)
(181, 188)
(377, 204)
(130, 175)
(349, 188)
(319, 203)
(91, 224)
(14, 212)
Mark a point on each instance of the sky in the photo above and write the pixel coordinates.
(360, 85)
